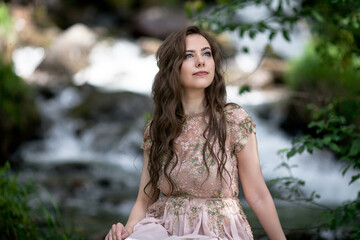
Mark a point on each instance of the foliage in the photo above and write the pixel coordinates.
(334, 132)
(336, 20)
(19, 116)
(319, 81)
(15, 221)
(18, 220)
(314, 72)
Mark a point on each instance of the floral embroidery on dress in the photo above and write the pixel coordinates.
(146, 144)
(200, 195)
(240, 123)
(246, 128)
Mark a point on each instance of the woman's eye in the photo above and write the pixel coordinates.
(188, 56)
(208, 54)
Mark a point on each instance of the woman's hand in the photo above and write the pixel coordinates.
(117, 232)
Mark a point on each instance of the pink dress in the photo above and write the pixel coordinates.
(202, 207)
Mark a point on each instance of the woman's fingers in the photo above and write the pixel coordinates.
(119, 228)
(124, 234)
(113, 232)
(109, 236)
(117, 232)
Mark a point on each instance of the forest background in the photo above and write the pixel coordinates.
(323, 97)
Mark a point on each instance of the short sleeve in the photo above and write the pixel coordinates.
(146, 143)
(240, 125)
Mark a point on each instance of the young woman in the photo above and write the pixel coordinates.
(196, 147)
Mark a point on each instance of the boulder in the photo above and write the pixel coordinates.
(149, 45)
(120, 107)
(67, 55)
(158, 22)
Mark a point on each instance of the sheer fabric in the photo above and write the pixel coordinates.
(204, 206)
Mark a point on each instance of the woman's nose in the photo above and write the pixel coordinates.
(200, 62)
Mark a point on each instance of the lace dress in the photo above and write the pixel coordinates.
(202, 207)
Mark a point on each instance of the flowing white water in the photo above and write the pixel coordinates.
(319, 170)
(61, 144)
(26, 59)
(119, 67)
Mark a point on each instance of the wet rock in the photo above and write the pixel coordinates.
(269, 72)
(78, 167)
(27, 30)
(110, 122)
(154, 22)
(67, 55)
(104, 183)
(149, 45)
(122, 107)
(51, 73)
(109, 14)
(261, 78)
(73, 46)
(277, 67)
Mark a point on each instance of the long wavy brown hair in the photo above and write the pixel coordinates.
(168, 115)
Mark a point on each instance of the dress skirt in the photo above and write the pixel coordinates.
(188, 217)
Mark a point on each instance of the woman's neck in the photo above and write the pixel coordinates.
(193, 102)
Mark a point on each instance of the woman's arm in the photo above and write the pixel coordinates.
(143, 201)
(117, 232)
(256, 191)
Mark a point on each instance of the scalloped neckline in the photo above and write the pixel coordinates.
(194, 114)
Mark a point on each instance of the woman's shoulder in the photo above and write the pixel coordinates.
(147, 127)
(235, 113)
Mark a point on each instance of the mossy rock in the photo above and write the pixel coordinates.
(20, 119)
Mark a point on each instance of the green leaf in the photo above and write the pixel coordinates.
(309, 147)
(354, 178)
(327, 140)
(244, 89)
(355, 147)
(272, 35)
(281, 151)
(317, 16)
(252, 34)
(286, 35)
(291, 153)
(346, 169)
(319, 124)
(334, 147)
(301, 149)
(242, 31)
(301, 182)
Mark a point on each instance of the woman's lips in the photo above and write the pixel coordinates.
(201, 73)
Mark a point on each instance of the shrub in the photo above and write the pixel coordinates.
(19, 221)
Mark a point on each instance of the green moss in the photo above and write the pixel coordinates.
(19, 116)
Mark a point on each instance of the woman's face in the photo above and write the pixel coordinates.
(198, 68)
